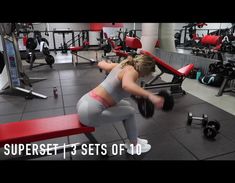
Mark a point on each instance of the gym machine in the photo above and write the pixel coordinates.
(64, 47)
(228, 79)
(177, 80)
(31, 45)
(16, 79)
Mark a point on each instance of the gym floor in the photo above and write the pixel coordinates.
(168, 133)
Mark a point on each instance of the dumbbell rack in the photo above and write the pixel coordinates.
(226, 80)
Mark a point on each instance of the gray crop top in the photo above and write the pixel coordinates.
(114, 86)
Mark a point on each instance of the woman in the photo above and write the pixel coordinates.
(105, 104)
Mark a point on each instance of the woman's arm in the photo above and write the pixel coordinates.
(129, 84)
(106, 66)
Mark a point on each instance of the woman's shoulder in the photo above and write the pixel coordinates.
(129, 69)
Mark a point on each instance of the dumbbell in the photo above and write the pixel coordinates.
(146, 107)
(204, 119)
(211, 129)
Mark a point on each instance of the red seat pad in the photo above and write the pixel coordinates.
(76, 48)
(41, 129)
(184, 71)
(213, 40)
(133, 42)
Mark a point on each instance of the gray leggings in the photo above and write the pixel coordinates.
(93, 113)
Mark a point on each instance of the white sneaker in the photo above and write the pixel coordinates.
(139, 141)
(142, 141)
(138, 149)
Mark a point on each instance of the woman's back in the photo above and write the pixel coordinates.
(113, 85)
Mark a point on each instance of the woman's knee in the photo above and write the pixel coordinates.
(131, 110)
(124, 103)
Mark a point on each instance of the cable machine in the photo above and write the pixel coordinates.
(17, 79)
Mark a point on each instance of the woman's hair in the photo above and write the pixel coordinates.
(144, 64)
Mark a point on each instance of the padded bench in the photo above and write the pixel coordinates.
(178, 75)
(28, 131)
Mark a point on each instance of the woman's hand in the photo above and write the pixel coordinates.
(157, 101)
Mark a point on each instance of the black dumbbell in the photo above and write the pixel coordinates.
(211, 129)
(145, 106)
(204, 119)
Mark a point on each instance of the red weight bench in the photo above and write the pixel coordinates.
(74, 51)
(114, 48)
(178, 75)
(132, 43)
(28, 131)
(111, 42)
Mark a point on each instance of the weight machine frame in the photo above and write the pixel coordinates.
(14, 67)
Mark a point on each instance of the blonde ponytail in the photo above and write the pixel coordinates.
(144, 64)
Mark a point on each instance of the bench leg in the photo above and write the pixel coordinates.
(74, 59)
(91, 138)
(177, 89)
(222, 87)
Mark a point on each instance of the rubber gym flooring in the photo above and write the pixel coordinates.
(168, 133)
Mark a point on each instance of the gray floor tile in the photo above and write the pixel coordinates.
(70, 110)
(10, 118)
(43, 114)
(46, 84)
(49, 74)
(64, 66)
(229, 156)
(164, 147)
(186, 100)
(80, 138)
(70, 74)
(71, 100)
(12, 107)
(193, 139)
(227, 128)
(11, 98)
(43, 104)
(106, 133)
(145, 126)
(170, 120)
(79, 90)
(74, 82)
